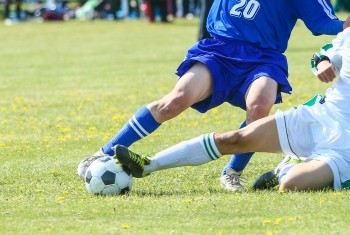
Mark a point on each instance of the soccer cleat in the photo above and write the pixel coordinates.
(267, 180)
(84, 164)
(270, 179)
(232, 180)
(131, 160)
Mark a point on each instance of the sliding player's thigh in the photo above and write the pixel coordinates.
(261, 136)
(309, 175)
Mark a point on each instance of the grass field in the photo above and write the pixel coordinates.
(66, 88)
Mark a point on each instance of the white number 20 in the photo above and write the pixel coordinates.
(247, 8)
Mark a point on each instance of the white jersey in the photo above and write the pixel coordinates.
(322, 131)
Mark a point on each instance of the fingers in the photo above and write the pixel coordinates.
(327, 75)
(326, 72)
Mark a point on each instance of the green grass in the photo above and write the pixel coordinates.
(66, 88)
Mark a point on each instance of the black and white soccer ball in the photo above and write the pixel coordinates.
(105, 177)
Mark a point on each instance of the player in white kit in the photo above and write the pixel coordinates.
(317, 132)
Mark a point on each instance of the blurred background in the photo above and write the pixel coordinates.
(15, 11)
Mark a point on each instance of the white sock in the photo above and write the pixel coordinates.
(193, 152)
(285, 170)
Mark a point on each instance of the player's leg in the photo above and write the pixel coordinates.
(196, 151)
(260, 97)
(18, 9)
(195, 85)
(260, 136)
(7, 9)
(273, 177)
(192, 87)
(205, 8)
(308, 175)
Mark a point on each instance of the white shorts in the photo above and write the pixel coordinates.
(302, 136)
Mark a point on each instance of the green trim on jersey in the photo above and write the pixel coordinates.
(209, 147)
(316, 99)
(319, 56)
(326, 48)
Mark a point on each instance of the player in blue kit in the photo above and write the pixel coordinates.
(243, 64)
(314, 135)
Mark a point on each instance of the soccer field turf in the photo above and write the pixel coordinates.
(66, 88)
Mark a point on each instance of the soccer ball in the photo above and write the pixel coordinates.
(105, 177)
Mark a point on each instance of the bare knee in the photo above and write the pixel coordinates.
(260, 97)
(289, 185)
(168, 107)
(310, 175)
(230, 142)
(257, 110)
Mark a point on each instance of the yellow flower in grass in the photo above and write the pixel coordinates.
(117, 117)
(60, 198)
(322, 201)
(278, 221)
(125, 226)
(267, 221)
(269, 233)
(291, 219)
(215, 111)
(19, 99)
(64, 129)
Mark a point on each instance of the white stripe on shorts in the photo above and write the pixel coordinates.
(283, 134)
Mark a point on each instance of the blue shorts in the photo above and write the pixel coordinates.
(234, 65)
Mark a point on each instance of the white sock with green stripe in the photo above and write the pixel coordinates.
(193, 152)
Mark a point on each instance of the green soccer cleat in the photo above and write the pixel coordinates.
(131, 160)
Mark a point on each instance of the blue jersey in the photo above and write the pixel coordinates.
(269, 23)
